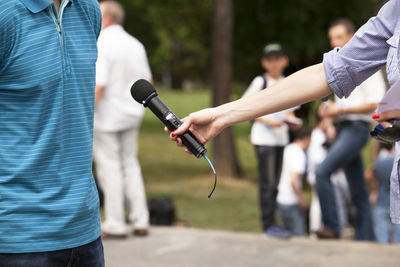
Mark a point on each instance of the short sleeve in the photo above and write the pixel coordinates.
(103, 64)
(298, 161)
(7, 31)
(146, 67)
(364, 54)
(93, 13)
(254, 87)
(98, 21)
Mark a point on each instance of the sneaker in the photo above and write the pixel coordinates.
(141, 232)
(106, 235)
(327, 233)
(276, 231)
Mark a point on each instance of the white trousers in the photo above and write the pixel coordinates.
(119, 176)
(342, 196)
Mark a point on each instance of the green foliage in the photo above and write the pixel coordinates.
(300, 25)
(175, 33)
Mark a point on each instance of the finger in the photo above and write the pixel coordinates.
(166, 129)
(179, 142)
(173, 136)
(186, 122)
(384, 116)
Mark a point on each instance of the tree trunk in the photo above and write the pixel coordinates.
(223, 145)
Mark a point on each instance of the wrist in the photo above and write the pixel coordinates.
(222, 116)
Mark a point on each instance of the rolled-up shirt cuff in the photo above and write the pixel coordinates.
(337, 76)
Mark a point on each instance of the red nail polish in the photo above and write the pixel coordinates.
(375, 116)
(172, 134)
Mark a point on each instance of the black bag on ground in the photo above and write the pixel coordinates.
(162, 211)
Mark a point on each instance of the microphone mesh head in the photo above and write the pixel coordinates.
(141, 89)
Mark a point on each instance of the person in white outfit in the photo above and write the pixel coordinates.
(122, 60)
(269, 135)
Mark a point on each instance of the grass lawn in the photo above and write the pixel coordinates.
(168, 171)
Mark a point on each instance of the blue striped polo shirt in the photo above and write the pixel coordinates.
(48, 198)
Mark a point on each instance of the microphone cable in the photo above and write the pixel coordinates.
(215, 174)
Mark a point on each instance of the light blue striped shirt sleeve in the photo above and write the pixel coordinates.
(364, 54)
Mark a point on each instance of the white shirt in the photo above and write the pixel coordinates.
(262, 134)
(294, 161)
(316, 153)
(369, 92)
(122, 60)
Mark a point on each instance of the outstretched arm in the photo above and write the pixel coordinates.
(303, 86)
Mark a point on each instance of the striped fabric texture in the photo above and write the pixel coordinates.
(48, 198)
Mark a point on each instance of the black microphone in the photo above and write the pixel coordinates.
(145, 93)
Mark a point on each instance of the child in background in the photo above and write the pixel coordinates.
(291, 203)
(384, 229)
(269, 135)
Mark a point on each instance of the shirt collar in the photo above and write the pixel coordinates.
(35, 6)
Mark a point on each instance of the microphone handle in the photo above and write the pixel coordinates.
(169, 119)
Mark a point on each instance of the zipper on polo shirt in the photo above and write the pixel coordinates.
(57, 18)
(58, 26)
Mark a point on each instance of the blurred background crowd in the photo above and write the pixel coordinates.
(309, 171)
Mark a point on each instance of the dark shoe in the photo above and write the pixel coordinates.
(141, 232)
(277, 232)
(105, 235)
(327, 233)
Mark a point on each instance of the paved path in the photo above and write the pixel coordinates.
(186, 247)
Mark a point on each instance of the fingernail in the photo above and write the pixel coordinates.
(172, 134)
(177, 141)
(375, 116)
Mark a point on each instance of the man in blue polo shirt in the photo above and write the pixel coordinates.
(48, 198)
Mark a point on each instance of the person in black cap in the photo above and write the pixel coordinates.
(269, 135)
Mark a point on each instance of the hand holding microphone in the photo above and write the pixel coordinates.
(202, 123)
(144, 93)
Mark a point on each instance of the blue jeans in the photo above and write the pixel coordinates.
(346, 153)
(384, 227)
(89, 255)
(293, 219)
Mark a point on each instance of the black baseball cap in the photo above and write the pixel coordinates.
(273, 48)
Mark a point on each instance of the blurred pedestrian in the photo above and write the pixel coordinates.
(291, 203)
(353, 117)
(322, 137)
(122, 60)
(384, 229)
(269, 135)
(49, 207)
